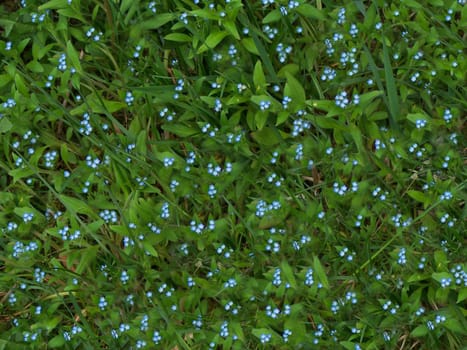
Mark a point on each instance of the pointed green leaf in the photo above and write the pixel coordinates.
(294, 89)
(87, 257)
(73, 55)
(266, 136)
(282, 117)
(462, 295)
(232, 29)
(212, 41)
(54, 4)
(272, 16)
(4, 79)
(56, 342)
(357, 137)
(147, 246)
(20, 85)
(310, 11)
(441, 259)
(51, 323)
(260, 119)
(21, 173)
(125, 5)
(179, 37)
(258, 76)
(393, 99)
(419, 331)
(5, 125)
(180, 130)
(35, 67)
(154, 23)
(288, 274)
(76, 205)
(367, 97)
(249, 44)
(455, 326)
(320, 272)
(438, 276)
(418, 196)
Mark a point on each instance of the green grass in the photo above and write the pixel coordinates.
(232, 175)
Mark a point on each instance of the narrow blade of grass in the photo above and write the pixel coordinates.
(391, 90)
(379, 83)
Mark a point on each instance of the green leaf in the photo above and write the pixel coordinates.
(180, 130)
(65, 154)
(87, 257)
(263, 53)
(20, 211)
(375, 70)
(238, 330)
(418, 196)
(329, 123)
(391, 89)
(357, 137)
(150, 249)
(125, 5)
(178, 37)
(455, 326)
(154, 23)
(266, 136)
(35, 67)
(54, 4)
(71, 13)
(419, 331)
(311, 12)
(260, 119)
(320, 272)
(272, 16)
(413, 117)
(7, 25)
(21, 173)
(416, 277)
(290, 68)
(259, 79)
(51, 323)
(249, 45)
(282, 117)
(5, 125)
(205, 14)
(4, 79)
(441, 259)
(98, 105)
(413, 4)
(348, 345)
(6, 197)
(21, 86)
(258, 331)
(462, 295)
(438, 276)
(56, 342)
(231, 28)
(73, 55)
(288, 274)
(322, 105)
(4, 343)
(212, 41)
(367, 97)
(294, 89)
(76, 205)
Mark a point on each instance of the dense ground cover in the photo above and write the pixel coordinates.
(232, 174)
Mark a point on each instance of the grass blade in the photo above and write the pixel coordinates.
(391, 90)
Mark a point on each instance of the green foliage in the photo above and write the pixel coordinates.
(232, 174)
